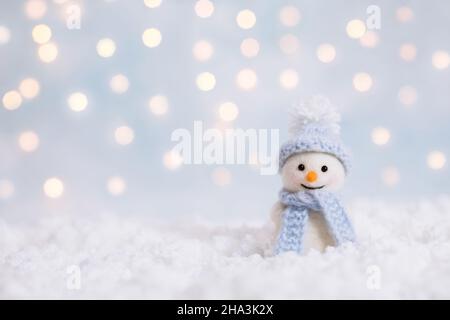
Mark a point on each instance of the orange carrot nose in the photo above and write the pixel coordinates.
(311, 176)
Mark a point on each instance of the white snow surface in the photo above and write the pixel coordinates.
(403, 252)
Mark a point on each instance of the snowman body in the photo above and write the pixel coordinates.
(310, 171)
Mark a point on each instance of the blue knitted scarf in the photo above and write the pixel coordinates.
(295, 218)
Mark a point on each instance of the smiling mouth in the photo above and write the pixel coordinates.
(312, 188)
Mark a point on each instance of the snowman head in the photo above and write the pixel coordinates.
(311, 171)
(314, 157)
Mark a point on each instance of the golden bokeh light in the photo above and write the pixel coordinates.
(77, 101)
(246, 19)
(407, 52)
(228, 111)
(289, 16)
(404, 14)
(35, 9)
(151, 37)
(119, 84)
(206, 81)
(5, 35)
(12, 100)
(41, 33)
(53, 188)
(289, 79)
(246, 79)
(106, 48)
(172, 160)
(370, 39)
(116, 185)
(204, 8)
(436, 160)
(380, 136)
(326, 53)
(28, 141)
(202, 50)
(362, 82)
(158, 105)
(29, 88)
(356, 28)
(48, 52)
(152, 3)
(249, 47)
(440, 60)
(124, 135)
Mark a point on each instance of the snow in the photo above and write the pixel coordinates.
(403, 252)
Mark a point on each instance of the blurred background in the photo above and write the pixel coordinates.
(92, 90)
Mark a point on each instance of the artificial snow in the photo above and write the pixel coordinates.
(403, 252)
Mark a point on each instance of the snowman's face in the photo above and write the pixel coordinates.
(311, 171)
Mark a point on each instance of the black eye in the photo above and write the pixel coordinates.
(324, 169)
(301, 167)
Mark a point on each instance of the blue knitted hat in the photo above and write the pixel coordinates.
(315, 127)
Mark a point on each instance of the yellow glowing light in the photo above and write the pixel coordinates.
(380, 136)
(441, 60)
(228, 111)
(356, 29)
(221, 177)
(370, 39)
(152, 3)
(172, 160)
(6, 189)
(53, 188)
(390, 176)
(124, 135)
(436, 160)
(202, 50)
(5, 35)
(407, 95)
(204, 8)
(35, 9)
(289, 16)
(119, 84)
(362, 82)
(326, 53)
(289, 44)
(116, 185)
(12, 100)
(206, 81)
(48, 52)
(407, 52)
(106, 48)
(289, 79)
(41, 33)
(404, 14)
(246, 79)
(246, 19)
(249, 47)
(77, 101)
(158, 105)
(151, 37)
(29, 88)
(28, 141)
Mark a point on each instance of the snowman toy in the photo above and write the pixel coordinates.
(313, 166)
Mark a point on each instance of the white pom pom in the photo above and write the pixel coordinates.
(317, 110)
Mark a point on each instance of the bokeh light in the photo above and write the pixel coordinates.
(206, 81)
(41, 33)
(390, 176)
(116, 185)
(407, 52)
(228, 111)
(119, 84)
(35, 9)
(152, 3)
(404, 14)
(172, 160)
(289, 16)
(326, 53)
(441, 60)
(124, 135)
(362, 82)
(246, 79)
(221, 177)
(106, 48)
(407, 95)
(28, 141)
(202, 50)
(289, 79)
(6, 189)
(204, 8)
(12, 100)
(48, 52)
(380, 136)
(249, 47)
(5, 35)
(159, 105)
(77, 101)
(356, 28)
(436, 160)
(53, 188)
(246, 19)
(370, 39)
(151, 37)
(29, 88)
(289, 44)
